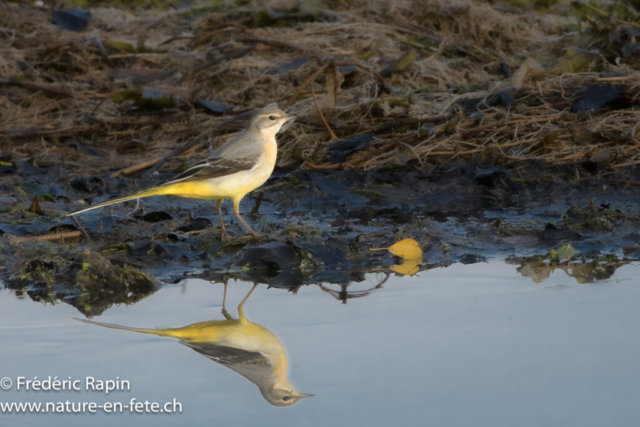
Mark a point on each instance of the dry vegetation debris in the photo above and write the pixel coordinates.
(425, 81)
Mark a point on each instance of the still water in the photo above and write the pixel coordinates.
(467, 345)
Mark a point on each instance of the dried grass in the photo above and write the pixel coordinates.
(57, 86)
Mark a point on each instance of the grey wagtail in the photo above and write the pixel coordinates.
(232, 171)
(245, 347)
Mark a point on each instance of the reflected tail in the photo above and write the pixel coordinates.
(159, 332)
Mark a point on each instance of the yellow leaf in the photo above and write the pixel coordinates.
(566, 252)
(409, 267)
(407, 249)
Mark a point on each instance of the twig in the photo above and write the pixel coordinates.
(364, 68)
(55, 133)
(82, 229)
(46, 237)
(50, 91)
(206, 36)
(329, 166)
(597, 175)
(98, 106)
(624, 165)
(136, 168)
(149, 163)
(172, 39)
(613, 79)
(564, 161)
(304, 85)
(326, 124)
(478, 150)
(635, 183)
(504, 123)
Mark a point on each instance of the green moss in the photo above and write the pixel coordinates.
(302, 230)
(134, 94)
(144, 99)
(120, 46)
(598, 218)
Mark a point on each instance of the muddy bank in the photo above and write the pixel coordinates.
(480, 129)
(318, 226)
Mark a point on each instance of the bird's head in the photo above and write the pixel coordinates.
(284, 396)
(269, 120)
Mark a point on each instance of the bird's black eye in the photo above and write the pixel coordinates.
(286, 398)
(272, 118)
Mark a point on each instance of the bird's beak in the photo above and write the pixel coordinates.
(302, 395)
(290, 118)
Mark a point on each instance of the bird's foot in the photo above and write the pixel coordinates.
(225, 238)
(256, 236)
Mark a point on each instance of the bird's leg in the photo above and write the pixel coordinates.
(225, 313)
(236, 211)
(224, 237)
(241, 306)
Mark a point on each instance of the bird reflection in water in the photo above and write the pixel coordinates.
(245, 347)
(344, 294)
(407, 267)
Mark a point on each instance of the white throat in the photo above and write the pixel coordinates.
(270, 132)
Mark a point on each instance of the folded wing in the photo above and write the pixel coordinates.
(214, 168)
(237, 156)
(252, 365)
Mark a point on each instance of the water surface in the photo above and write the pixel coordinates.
(467, 345)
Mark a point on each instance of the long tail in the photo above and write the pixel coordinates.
(145, 193)
(159, 332)
(198, 332)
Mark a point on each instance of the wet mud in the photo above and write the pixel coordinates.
(319, 227)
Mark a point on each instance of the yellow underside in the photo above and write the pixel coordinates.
(233, 186)
(192, 190)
